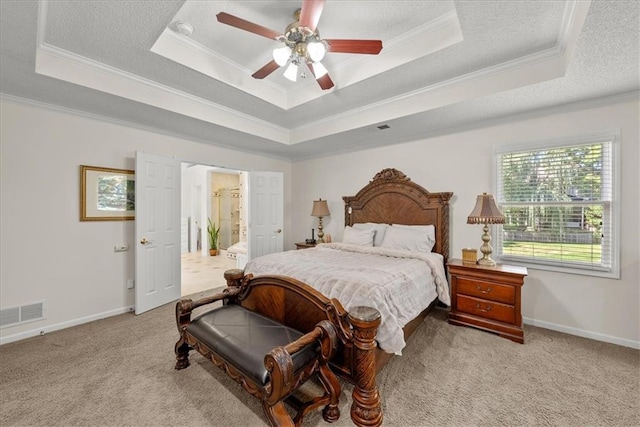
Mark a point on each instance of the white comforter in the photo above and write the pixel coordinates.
(399, 284)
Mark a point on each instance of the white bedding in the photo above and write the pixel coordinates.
(400, 284)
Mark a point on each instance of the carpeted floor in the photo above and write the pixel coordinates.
(119, 372)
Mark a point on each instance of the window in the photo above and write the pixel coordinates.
(560, 205)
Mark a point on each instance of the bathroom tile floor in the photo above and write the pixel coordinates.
(202, 273)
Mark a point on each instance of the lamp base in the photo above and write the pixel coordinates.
(320, 232)
(486, 249)
(486, 261)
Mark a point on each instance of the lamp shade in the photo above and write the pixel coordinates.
(319, 70)
(320, 208)
(316, 51)
(281, 55)
(291, 72)
(486, 211)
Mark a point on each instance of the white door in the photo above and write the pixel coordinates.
(157, 231)
(266, 211)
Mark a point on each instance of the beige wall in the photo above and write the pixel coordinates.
(46, 252)
(604, 309)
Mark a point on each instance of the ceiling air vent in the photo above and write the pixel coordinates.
(383, 127)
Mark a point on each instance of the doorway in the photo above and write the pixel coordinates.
(160, 225)
(202, 188)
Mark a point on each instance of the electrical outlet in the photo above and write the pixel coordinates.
(121, 248)
(130, 283)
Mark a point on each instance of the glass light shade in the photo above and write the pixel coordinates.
(281, 55)
(291, 72)
(319, 70)
(316, 51)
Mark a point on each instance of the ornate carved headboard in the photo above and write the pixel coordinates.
(392, 198)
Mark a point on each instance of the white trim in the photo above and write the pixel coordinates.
(63, 325)
(67, 66)
(133, 125)
(534, 68)
(582, 333)
(612, 135)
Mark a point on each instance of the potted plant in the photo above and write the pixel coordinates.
(213, 237)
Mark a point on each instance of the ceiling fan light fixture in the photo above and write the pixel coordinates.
(291, 72)
(316, 50)
(281, 55)
(319, 70)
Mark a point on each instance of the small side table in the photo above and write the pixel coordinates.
(303, 245)
(487, 298)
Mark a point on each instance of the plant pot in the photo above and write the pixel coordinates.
(213, 252)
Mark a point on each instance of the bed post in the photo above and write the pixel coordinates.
(366, 409)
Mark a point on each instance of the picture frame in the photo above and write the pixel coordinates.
(106, 194)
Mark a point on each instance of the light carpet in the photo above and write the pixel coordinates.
(120, 372)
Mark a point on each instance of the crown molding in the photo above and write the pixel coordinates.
(58, 63)
(533, 68)
(124, 123)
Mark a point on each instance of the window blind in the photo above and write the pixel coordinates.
(558, 204)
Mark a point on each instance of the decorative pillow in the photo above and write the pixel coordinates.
(379, 230)
(407, 239)
(359, 237)
(430, 231)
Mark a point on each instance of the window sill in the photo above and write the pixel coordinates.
(613, 274)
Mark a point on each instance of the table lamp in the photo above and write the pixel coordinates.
(320, 209)
(486, 212)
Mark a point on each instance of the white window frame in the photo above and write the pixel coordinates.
(497, 235)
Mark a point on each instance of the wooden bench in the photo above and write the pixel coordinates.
(249, 338)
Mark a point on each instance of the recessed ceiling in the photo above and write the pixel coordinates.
(444, 65)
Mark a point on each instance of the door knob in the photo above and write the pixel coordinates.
(279, 230)
(144, 241)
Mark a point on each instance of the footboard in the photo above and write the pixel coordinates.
(297, 305)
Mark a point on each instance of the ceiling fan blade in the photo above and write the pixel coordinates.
(310, 13)
(371, 47)
(325, 81)
(266, 70)
(242, 24)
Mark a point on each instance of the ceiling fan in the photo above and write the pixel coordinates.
(303, 47)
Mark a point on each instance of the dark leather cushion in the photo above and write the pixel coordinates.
(243, 338)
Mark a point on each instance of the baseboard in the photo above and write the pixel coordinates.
(582, 333)
(539, 323)
(63, 325)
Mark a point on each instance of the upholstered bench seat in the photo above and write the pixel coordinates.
(243, 337)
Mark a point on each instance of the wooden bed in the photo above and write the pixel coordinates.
(390, 198)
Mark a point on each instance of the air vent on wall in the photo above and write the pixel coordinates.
(13, 316)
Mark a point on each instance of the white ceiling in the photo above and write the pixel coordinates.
(445, 66)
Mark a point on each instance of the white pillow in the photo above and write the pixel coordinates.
(406, 239)
(379, 230)
(430, 231)
(359, 237)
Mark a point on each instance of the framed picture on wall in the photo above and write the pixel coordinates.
(107, 194)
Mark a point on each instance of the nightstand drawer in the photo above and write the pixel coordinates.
(486, 290)
(486, 309)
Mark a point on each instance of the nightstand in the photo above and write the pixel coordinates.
(303, 245)
(487, 298)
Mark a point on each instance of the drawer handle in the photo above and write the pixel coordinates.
(484, 310)
(483, 291)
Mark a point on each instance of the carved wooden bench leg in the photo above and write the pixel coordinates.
(331, 412)
(182, 354)
(366, 409)
(277, 414)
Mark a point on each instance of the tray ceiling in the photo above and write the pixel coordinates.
(444, 65)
